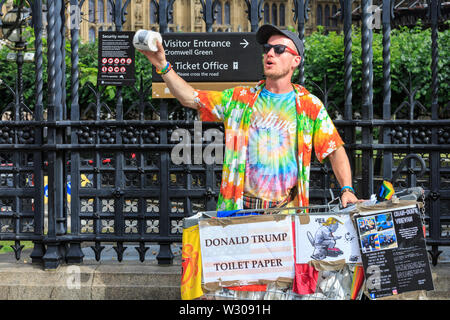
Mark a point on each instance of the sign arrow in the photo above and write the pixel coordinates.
(244, 44)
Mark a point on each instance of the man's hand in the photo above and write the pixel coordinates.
(157, 58)
(348, 197)
(179, 88)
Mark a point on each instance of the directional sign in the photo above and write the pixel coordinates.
(213, 57)
(244, 43)
(116, 58)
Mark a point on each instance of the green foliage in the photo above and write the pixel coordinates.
(410, 64)
(88, 62)
(6, 246)
(324, 59)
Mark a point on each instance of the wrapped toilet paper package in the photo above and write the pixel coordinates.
(146, 40)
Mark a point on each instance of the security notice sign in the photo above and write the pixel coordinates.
(245, 250)
(116, 58)
(211, 58)
(393, 251)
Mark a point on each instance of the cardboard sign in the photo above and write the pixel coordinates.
(393, 251)
(327, 238)
(246, 250)
(116, 62)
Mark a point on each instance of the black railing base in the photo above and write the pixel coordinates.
(165, 255)
(74, 254)
(38, 253)
(435, 253)
(52, 258)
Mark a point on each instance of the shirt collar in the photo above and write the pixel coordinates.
(299, 90)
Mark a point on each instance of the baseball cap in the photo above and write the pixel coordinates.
(266, 31)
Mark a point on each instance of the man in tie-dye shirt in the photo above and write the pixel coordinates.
(270, 129)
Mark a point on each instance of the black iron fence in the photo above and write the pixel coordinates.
(124, 188)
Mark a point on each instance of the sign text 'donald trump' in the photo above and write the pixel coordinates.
(247, 249)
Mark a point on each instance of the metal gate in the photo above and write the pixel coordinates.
(124, 187)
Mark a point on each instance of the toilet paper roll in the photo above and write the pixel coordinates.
(146, 40)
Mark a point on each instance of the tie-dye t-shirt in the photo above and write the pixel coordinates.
(271, 169)
(234, 107)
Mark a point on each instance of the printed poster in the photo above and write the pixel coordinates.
(393, 251)
(116, 58)
(327, 238)
(244, 250)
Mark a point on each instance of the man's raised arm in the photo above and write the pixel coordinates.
(179, 88)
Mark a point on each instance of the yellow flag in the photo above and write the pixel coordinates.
(191, 279)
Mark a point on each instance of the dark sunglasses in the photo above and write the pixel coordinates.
(278, 49)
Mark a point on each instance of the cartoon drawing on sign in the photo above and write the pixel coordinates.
(324, 242)
(327, 238)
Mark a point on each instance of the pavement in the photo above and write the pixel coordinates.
(107, 279)
(130, 279)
